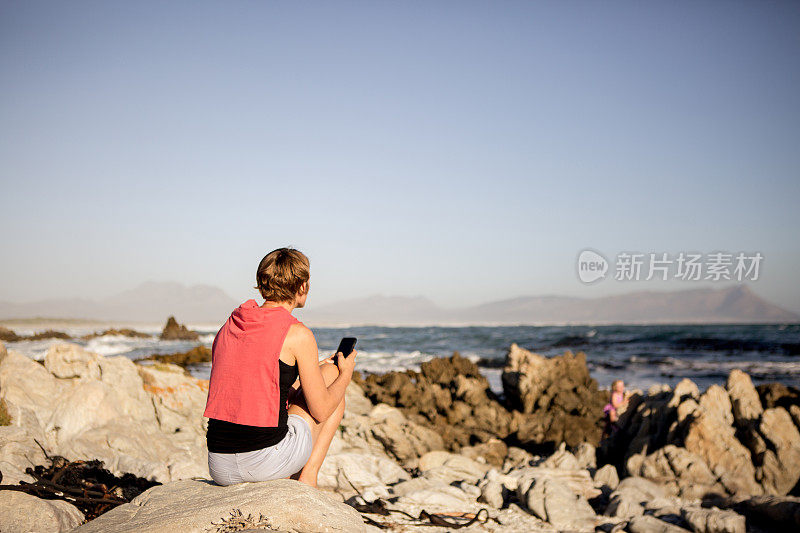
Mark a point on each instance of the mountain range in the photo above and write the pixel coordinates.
(154, 301)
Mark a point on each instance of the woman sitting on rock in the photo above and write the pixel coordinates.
(263, 423)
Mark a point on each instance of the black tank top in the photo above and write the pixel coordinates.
(227, 437)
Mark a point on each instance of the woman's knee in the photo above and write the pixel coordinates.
(329, 373)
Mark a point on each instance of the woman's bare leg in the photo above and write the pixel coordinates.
(322, 432)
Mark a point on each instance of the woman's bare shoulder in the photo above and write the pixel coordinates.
(299, 336)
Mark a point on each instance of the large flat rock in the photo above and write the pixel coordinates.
(200, 506)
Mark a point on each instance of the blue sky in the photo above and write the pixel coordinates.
(466, 151)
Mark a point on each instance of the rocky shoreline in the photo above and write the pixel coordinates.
(414, 448)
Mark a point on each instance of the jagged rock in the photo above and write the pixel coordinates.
(780, 464)
(179, 399)
(606, 476)
(551, 499)
(402, 438)
(744, 398)
(177, 332)
(198, 505)
(561, 401)
(650, 422)
(23, 513)
(678, 470)
(713, 520)
(100, 409)
(711, 436)
(448, 395)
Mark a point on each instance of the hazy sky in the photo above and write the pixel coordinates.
(466, 151)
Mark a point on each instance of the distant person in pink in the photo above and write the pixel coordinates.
(619, 399)
(273, 406)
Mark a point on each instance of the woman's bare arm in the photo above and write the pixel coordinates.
(321, 400)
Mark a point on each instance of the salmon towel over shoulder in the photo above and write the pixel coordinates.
(245, 375)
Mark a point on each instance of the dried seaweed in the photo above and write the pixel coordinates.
(238, 522)
(85, 484)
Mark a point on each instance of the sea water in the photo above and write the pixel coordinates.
(641, 355)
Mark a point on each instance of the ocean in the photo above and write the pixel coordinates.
(640, 355)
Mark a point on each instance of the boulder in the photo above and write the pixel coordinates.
(200, 506)
(606, 476)
(439, 497)
(552, 500)
(23, 513)
(578, 481)
(65, 360)
(450, 467)
(344, 471)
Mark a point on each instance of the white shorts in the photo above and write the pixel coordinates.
(279, 461)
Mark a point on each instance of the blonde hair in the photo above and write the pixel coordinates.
(281, 274)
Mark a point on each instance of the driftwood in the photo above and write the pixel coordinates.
(85, 484)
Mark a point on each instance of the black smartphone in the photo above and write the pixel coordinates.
(346, 346)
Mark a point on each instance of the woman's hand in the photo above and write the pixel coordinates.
(346, 364)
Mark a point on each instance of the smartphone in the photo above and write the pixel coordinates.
(346, 346)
